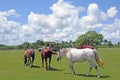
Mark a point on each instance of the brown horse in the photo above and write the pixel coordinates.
(29, 56)
(85, 46)
(45, 54)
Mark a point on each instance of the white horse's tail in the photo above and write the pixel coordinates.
(98, 60)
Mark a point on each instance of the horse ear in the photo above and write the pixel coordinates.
(39, 49)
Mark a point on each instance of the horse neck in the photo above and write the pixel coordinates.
(64, 52)
(52, 51)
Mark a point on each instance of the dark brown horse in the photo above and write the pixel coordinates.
(45, 54)
(29, 56)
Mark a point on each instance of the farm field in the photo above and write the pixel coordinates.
(12, 68)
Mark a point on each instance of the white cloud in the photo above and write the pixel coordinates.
(63, 9)
(92, 18)
(112, 31)
(10, 12)
(112, 12)
(8, 29)
(56, 26)
(95, 16)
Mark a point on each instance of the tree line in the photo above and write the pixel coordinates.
(89, 38)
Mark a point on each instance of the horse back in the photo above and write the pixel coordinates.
(47, 51)
(81, 54)
(29, 52)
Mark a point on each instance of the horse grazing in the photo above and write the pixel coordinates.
(29, 56)
(75, 55)
(45, 54)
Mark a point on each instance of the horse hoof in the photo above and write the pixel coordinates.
(73, 73)
(30, 66)
(98, 76)
(46, 69)
(87, 74)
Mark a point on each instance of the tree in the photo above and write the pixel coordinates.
(105, 41)
(109, 43)
(118, 43)
(90, 38)
(26, 45)
(39, 43)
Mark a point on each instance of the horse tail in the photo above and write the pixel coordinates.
(98, 60)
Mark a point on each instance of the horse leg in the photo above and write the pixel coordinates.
(42, 61)
(46, 63)
(30, 62)
(71, 67)
(33, 57)
(91, 66)
(96, 68)
(49, 63)
(25, 61)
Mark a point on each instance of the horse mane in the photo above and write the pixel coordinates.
(64, 50)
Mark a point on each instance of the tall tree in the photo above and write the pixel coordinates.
(109, 43)
(105, 41)
(90, 38)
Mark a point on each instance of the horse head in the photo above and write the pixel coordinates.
(25, 59)
(59, 56)
(61, 52)
(40, 49)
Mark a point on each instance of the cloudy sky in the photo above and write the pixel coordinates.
(62, 20)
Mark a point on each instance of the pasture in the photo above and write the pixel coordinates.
(12, 68)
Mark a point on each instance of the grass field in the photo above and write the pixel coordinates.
(12, 68)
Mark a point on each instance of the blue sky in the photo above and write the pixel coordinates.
(50, 20)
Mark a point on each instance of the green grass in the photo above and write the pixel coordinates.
(12, 68)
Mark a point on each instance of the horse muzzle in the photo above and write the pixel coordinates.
(57, 59)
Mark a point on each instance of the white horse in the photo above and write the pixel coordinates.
(75, 55)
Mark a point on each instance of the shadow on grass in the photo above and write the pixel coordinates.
(105, 76)
(54, 69)
(84, 75)
(34, 66)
